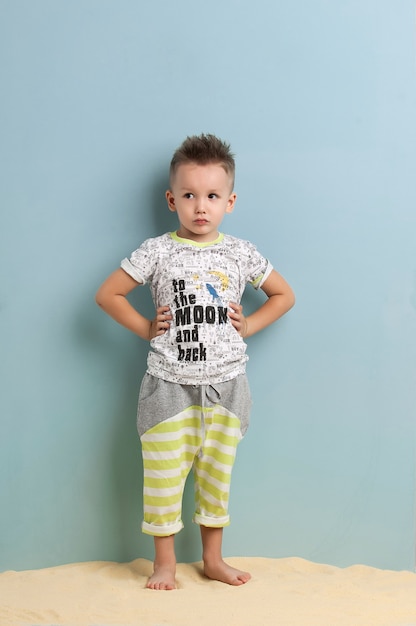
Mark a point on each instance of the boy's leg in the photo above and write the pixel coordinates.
(212, 470)
(168, 451)
(214, 565)
(163, 577)
(213, 467)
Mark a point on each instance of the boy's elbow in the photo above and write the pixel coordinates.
(290, 300)
(99, 298)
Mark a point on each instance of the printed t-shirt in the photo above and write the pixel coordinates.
(197, 281)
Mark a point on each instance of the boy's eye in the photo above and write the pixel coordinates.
(189, 195)
(211, 196)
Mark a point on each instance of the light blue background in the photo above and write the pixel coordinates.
(318, 100)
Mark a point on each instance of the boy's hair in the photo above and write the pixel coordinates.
(203, 149)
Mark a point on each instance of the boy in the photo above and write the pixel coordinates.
(194, 399)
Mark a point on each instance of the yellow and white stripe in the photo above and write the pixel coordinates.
(204, 439)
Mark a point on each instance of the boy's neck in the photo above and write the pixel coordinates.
(177, 237)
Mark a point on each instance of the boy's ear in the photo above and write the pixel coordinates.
(231, 203)
(170, 200)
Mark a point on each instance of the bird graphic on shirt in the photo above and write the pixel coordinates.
(213, 292)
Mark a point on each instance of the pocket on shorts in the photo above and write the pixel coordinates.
(148, 387)
(147, 408)
(244, 423)
(235, 396)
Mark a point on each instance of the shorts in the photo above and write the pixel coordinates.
(184, 427)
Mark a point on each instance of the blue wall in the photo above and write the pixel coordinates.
(318, 100)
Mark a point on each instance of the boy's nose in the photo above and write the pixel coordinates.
(199, 208)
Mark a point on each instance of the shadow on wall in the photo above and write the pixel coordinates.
(114, 477)
(163, 219)
(123, 359)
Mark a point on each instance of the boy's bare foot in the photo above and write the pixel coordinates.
(214, 565)
(163, 578)
(225, 573)
(164, 565)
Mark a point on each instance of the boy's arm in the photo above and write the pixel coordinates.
(111, 297)
(280, 298)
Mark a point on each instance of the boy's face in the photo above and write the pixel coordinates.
(201, 195)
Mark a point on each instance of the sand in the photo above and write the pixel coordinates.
(284, 592)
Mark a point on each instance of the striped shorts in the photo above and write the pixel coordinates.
(184, 427)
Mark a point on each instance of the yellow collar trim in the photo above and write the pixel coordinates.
(198, 244)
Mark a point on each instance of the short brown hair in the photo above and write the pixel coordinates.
(203, 149)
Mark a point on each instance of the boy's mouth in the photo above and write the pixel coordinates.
(201, 221)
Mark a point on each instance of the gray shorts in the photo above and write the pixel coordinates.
(184, 427)
(159, 400)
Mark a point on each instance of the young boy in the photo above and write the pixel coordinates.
(194, 399)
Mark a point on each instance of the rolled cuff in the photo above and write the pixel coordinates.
(161, 531)
(211, 522)
(132, 271)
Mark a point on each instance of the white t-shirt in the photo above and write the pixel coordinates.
(197, 281)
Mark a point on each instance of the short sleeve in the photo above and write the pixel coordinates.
(142, 262)
(257, 268)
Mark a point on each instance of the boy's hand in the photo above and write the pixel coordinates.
(237, 318)
(161, 323)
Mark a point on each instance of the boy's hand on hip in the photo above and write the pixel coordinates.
(235, 313)
(161, 323)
